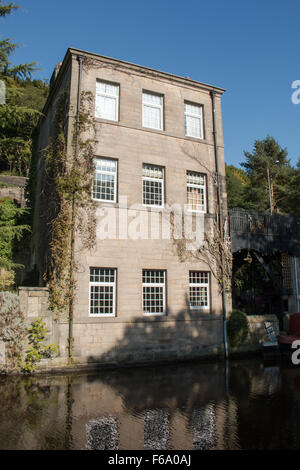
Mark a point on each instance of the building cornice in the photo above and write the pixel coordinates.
(128, 66)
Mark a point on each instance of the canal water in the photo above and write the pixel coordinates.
(249, 405)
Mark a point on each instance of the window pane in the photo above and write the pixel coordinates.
(193, 126)
(194, 177)
(102, 291)
(107, 88)
(106, 107)
(152, 193)
(107, 97)
(198, 277)
(192, 109)
(152, 117)
(195, 198)
(153, 294)
(153, 277)
(104, 187)
(153, 171)
(199, 289)
(196, 191)
(153, 300)
(105, 165)
(153, 185)
(102, 275)
(102, 300)
(104, 181)
(149, 98)
(198, 297)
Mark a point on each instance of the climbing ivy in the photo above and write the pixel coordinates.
(70, 209)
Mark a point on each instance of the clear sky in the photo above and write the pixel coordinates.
(251, 48)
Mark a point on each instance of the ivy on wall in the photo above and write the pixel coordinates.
(68, 185)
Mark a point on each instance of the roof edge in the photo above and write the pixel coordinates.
(73, 50)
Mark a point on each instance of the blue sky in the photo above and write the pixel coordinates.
(251, 48)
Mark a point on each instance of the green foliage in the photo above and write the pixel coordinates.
(249, 188)
(11, 230)
(12, 330)
(267, 154)
(13, 333)
(32, 180)
(37, 350)
(237, 328)
(7, 9)
(236, 180)
(67, 198)
(292, 200)
(20, 113)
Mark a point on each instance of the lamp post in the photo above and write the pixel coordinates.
(269, 184)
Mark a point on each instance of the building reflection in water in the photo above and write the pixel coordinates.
(204, 425)
(156, 429)
(182, 407)
(102, 434)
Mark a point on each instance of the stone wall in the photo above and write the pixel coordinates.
(116, 342)
(13, 188)
(34, 303)
(135, 342)
(257, 333)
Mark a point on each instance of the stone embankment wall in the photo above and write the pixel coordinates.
(34, 302)
(257, 333)
(12, 187)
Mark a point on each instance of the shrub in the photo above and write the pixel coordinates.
(237, 328)
(37, 350)
(12, 330)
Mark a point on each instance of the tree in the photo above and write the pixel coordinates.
(7, 9)
(293, 193)
(267, 155)
(236, 180)
(20, 113)
(11, 229)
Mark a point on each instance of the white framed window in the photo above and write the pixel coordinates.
(153, 185)
(196, 191)
(153, 110)
(154, 292)
(193, 120)
(105, 180)
(107, 101)
(103, 292)
(199, 289)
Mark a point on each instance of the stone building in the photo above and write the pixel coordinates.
(159, 137)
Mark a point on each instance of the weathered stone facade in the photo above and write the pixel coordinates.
(171, 343)
(129, 336)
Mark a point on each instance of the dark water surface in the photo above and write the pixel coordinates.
(187, 406)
